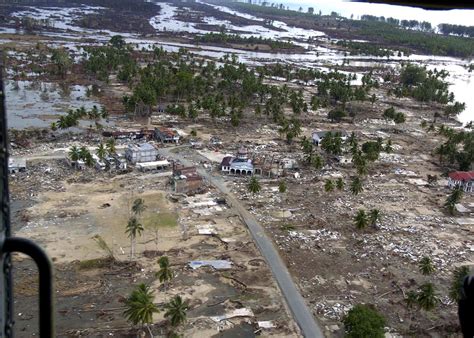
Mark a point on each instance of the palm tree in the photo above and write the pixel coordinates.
(427, 298)
(360, 219)
(374, 217)
(164, 274)
(101, 151)
(316, 161)
(74, 154)
(133, 229)
(455, 290)
(254, 186)
(103, 112)
(356, 186)
(54, 126)
(89, 160)
(453, 199)
(111, 146)
(176, 310)
(282, 187)
(411, 299)
(340, 183)
(138, 206)
(83, 153)
(329, 185)
(139, 307)
(426, 266)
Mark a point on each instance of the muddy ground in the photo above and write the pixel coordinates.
(67, 209)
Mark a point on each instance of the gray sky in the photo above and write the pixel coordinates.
(459, 17)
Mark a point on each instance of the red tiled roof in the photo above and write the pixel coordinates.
(462, 175)
(168, 132)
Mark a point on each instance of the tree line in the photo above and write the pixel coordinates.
(235, 38)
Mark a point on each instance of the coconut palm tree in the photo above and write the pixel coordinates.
(133, 229)
(103, 112)
(360, 219)
(254, 186)
(54, 126)
(111, 145)
(356, 186)
(139, 307)
(340, 183)
(374, 217)
(74, 154)
(316, 161)
(101, 151)
(176, 311)
(165, 274)
(89, 160)
(411, 299)
(453, 199)
(329, 185)
(457, 280)
(282, 187)
(83, 153)
(426, 266)
(138, 206)
(427, 298)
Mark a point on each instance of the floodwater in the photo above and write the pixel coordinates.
(37, 104)
(26, 105)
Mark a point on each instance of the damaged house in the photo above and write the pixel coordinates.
(186, 180)
(144, 152)
(318, 136)
(166, 135)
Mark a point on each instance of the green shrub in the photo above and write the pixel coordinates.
(364, 321)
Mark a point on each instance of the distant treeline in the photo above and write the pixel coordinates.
(234, 38)
(456, 30)
(364, 48)
(424, 26)
(444, 28)
(385, 31)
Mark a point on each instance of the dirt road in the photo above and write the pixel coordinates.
(301, 313)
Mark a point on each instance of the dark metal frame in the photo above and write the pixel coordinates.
(10, 244)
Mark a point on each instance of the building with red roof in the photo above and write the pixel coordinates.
(463, 179)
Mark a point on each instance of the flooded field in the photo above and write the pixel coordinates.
(37, 104)
(317, 56)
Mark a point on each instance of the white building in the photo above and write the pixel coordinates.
(16, 165)
(144, 152)
(462, 179)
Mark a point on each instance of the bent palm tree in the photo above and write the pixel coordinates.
(111, 146)
(356, 186)
(84, 153)
(254, 186)
(101, 151)
(360, 219)
(176, 311)
(133, 229)
(282, 187)
(426, 266)
(139, 307)
(165, 274)
(138, 206)
(329, 186)
(427, 298)
(374, 217)
(89, 160)
(74, 154)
